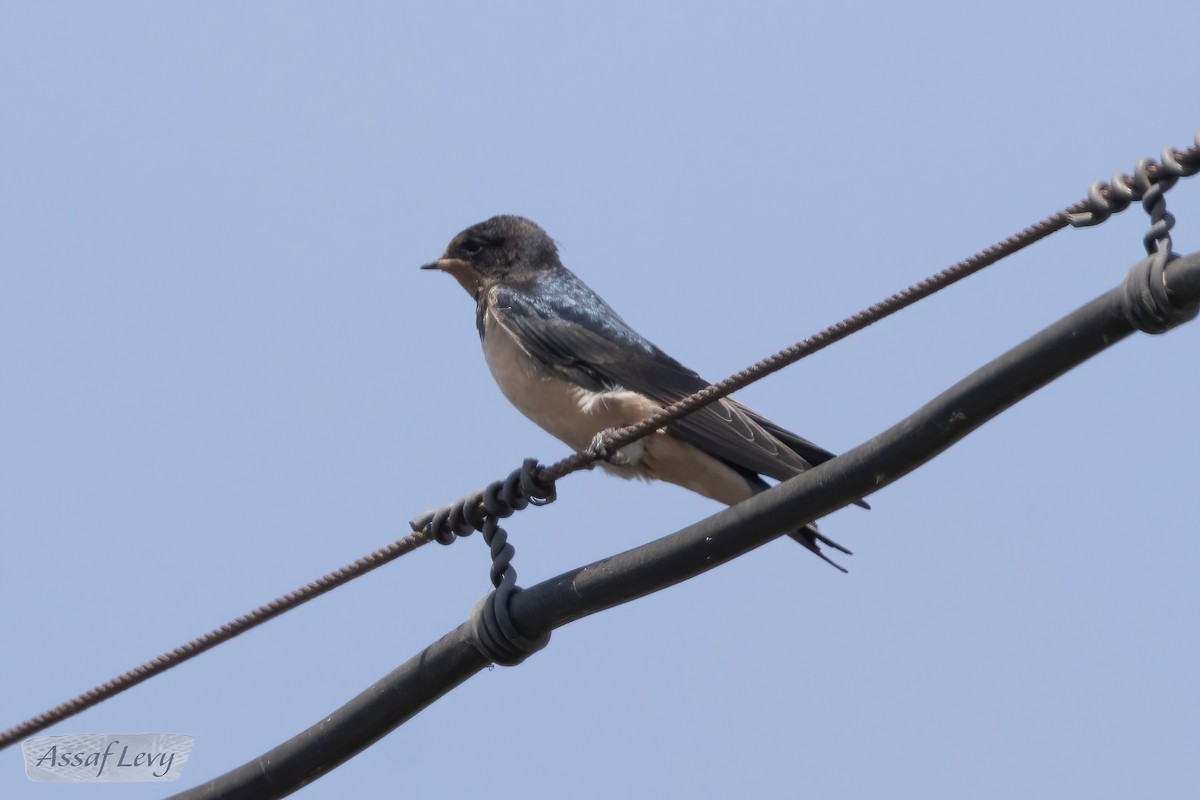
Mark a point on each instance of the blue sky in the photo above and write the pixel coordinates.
(224, 376)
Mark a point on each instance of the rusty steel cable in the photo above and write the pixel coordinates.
(618, 438)
(470, 513)
(1104, 199)
(216, 636)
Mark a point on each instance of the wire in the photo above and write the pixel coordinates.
(1102, 201)
(619, 438)
(213, 638)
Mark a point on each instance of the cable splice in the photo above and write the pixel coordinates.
(493, 633)
(1106, 199)
(1147, 303)
(524, 486)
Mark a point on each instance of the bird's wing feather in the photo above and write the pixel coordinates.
(579, 337)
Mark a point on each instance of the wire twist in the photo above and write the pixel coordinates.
(492, 630)
(1106, 199)
(1158, 238)
(523, 487)
(1146, 301)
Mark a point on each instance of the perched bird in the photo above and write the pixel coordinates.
(567, 361)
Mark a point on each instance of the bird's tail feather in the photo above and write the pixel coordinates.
(812, 538)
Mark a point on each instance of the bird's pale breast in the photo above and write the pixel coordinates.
(575, 415)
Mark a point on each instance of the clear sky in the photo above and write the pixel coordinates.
(223, 375)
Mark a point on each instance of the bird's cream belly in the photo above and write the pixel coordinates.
(574, 416)
(567, 412)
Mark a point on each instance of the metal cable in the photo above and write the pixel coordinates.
(1150, 180)
(213, 638)
(471, 513)
(615, 439)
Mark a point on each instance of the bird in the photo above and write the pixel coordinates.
(567, 361)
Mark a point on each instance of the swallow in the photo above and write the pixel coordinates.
(569, 363)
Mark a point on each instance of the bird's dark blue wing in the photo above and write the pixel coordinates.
(574, 334)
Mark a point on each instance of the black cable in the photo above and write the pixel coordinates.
(390, 702)
(710, 542)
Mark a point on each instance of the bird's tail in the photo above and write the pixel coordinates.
(812, 538)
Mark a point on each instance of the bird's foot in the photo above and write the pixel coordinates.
(600, 449)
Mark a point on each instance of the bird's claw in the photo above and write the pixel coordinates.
(600, 449)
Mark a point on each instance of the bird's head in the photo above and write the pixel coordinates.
(503, 248)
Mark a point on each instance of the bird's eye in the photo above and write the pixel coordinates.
(472, 246)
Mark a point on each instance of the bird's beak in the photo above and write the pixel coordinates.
(463, 271)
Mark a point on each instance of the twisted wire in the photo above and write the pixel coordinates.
(1158, 238)
(1146, 300)
(1105, 199)
(493, 632)
(523, 487)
